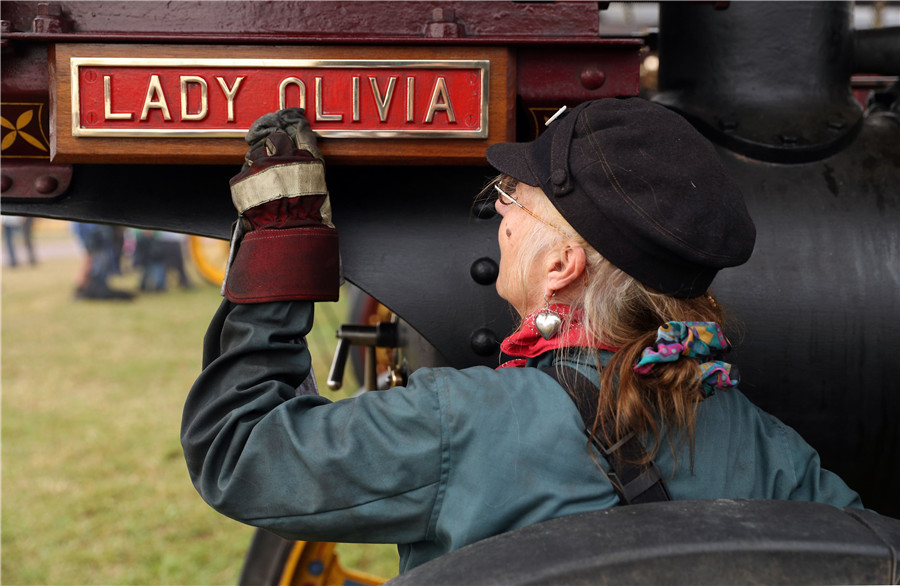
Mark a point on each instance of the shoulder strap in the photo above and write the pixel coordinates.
(634, 484)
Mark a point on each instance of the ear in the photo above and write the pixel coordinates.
(565, 266)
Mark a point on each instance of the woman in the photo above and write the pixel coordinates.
(615, 222)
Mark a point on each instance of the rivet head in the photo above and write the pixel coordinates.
(45, 184)
(484, 342)
(592, 78)
(558, 176)
(5, 182)
(788, 138)
(484, 271)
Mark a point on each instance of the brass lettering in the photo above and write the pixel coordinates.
(187, 80)
(440, 91)
(321, 116)
(155, 99)
(355, 98)
(382, 103)
(229, 94)
(208, 91)
(108, 114)
(282, 92)
(410, 102)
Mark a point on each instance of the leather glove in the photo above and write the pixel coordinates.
(284, 246)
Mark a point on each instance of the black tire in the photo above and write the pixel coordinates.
(682, 542)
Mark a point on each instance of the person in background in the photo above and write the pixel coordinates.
(614, 389)
(158, 252)
(172, 245)
(12, 225)
(98, 241)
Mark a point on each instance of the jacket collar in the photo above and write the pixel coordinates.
(526, 343)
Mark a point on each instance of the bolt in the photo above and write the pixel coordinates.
(48, 9)
(49, 19)
(443, 24)
(443, 15)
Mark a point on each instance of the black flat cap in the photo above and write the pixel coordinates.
(643, 187)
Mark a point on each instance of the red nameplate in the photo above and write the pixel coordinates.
(221, 97)
(193, 104)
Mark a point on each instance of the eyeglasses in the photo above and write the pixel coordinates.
(506, 199)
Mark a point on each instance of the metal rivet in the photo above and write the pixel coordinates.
(484, 342)
(592, 78)
(484, 271)
(45, 184)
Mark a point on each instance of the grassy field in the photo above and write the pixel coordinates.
(94, 487)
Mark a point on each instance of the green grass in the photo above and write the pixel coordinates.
(94, 487)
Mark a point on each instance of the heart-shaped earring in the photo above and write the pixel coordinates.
(547, 321)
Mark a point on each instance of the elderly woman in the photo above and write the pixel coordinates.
(615, 222)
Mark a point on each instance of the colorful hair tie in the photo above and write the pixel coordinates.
(700, 340)
(718, 376)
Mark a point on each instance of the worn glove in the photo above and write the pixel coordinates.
(284, 245)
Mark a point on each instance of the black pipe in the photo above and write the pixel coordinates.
(770, 80)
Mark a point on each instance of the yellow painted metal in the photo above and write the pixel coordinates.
(210, 256)
(313, 563)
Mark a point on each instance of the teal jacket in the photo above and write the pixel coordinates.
(454, 457)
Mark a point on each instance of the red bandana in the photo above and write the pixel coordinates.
(527, 342)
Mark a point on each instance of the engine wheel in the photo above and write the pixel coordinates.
(682, 542)
(210, 256)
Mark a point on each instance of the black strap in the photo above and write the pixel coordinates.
(633, 483)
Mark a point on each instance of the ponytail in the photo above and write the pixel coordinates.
(622, 313)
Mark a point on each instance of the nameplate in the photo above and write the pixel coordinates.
(357, 97)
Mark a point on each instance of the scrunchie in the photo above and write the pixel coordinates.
(700, 340)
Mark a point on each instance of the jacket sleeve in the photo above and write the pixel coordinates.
(362, 469)
(812, 482)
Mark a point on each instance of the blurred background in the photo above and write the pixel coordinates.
(95, 369)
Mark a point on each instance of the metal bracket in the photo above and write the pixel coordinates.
(43, 181)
